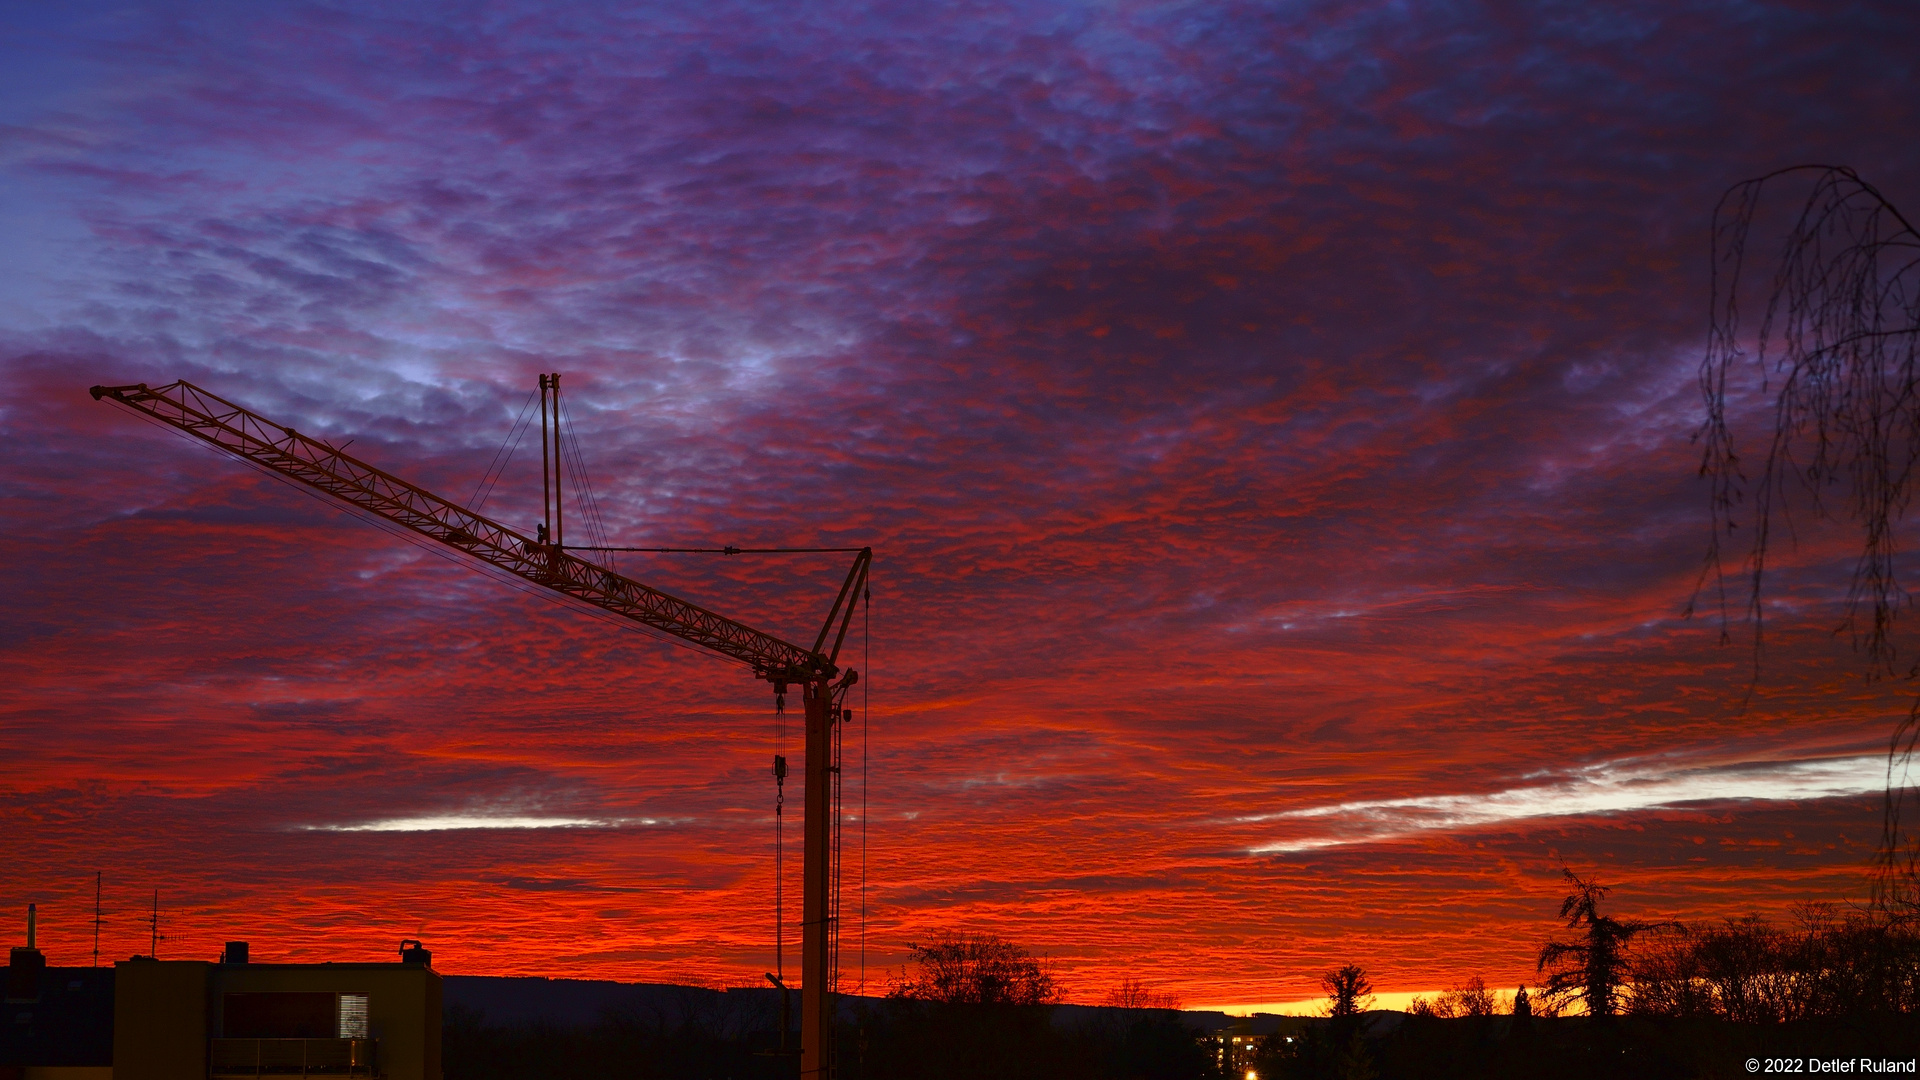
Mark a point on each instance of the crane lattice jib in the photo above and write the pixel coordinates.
(312, 462)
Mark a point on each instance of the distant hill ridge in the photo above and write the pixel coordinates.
(535, 1000)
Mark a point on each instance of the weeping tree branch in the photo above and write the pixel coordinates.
(1837, 351)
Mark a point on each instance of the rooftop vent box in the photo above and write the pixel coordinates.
(24, 969)
(412, 952)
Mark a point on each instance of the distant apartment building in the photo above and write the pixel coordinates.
(1234, 1052)
(147, 1019)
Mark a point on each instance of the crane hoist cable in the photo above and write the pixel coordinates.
(866, 711)
(779, 861)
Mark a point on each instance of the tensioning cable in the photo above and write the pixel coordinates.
(721, 550)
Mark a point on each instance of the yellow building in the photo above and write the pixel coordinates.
(193, 1020)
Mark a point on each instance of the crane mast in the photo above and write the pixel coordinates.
(544, 560)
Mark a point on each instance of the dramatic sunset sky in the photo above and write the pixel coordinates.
(1271, 421)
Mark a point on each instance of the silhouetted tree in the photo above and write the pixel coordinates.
(1134, 994)
(1469, 998)
(1593, 967)
(1751, 971)
(1349, 991)
(1349, 996)
(1837, 353)
(1335, 1050)
(974, 969)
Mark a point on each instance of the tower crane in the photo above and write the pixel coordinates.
(544, 560)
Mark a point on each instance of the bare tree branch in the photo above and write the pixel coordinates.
(1838, 349)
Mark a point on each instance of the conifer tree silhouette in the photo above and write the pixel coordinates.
(1593, 967)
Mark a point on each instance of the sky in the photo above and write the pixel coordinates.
(1271, 422)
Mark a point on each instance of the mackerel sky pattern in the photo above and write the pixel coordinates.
(1267, 416)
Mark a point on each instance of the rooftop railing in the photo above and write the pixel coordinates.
(292, 1057)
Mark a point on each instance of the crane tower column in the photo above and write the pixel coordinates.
(816, 959)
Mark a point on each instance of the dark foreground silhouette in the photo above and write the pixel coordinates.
(1833, 993)
(1575, 1048)
(883, 1040)
(880, 1039)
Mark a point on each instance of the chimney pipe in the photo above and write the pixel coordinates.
(24, 966)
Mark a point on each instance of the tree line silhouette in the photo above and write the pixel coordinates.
(1749, 970)
(1635, 997)
(1616, 996)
